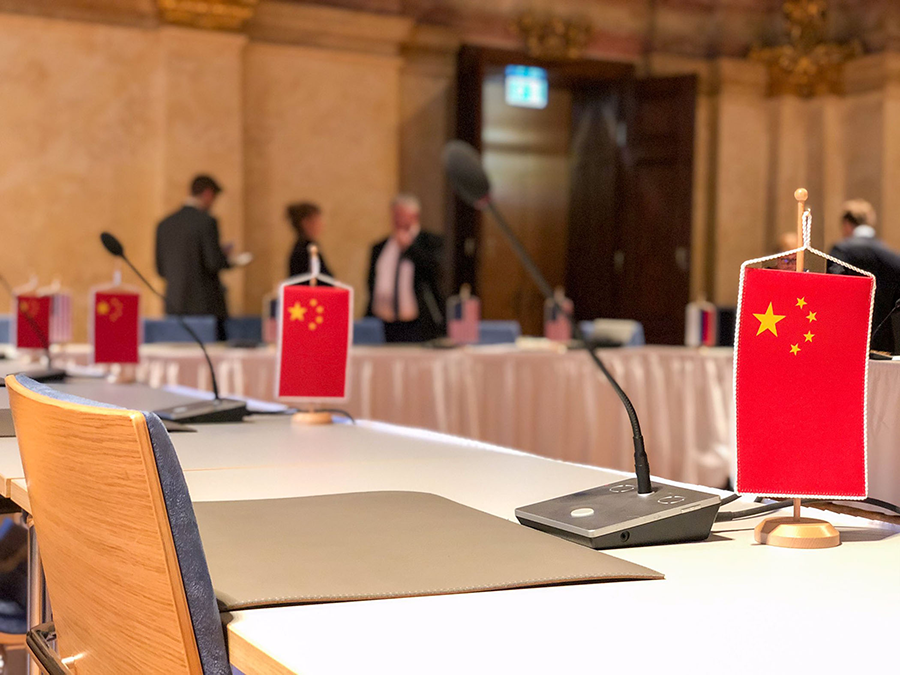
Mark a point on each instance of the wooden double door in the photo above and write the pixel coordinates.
(597, 185)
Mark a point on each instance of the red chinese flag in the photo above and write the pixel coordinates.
(800, 383)
(314, 342)
(33, 321)
(116, 327)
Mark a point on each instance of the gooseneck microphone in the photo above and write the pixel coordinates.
(48, 374)
(879, 355)
(627, 513)
(219, 409)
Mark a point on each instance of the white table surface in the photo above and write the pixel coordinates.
(137, 396)
(726, 605)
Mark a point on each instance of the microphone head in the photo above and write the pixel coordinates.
(463, 166)
(111, 244)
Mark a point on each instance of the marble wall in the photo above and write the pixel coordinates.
(103, 125)
(321, 128)
(107, 113)
(80, 149)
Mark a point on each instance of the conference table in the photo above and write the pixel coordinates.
(725, 604)
(551, 403)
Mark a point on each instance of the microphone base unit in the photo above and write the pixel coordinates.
(616, 516)
(217, 411)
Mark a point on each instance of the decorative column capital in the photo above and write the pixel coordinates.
(208, 14)
(808, 65)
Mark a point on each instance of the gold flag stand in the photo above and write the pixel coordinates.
(312, 416)
(795, 531)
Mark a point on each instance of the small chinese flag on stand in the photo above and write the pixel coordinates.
(32, 321)
(314, 342)
(115, 326)
(801, 366)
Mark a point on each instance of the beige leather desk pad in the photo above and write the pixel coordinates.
(369, 545)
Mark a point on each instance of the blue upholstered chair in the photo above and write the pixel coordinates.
(5, 328)
(13, 592)
(244, 328)
(498, 332)
(124, 564)
(169, 329)
(368, 331)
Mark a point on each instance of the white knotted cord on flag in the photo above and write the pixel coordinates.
(807, 227)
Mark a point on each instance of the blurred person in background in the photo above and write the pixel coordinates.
(405, 277)
(787, 241)
(306, 219)
(861, 248)
(189, 256)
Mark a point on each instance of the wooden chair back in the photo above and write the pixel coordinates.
(125, 571)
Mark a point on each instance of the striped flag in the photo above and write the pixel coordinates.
(61, 317)
(463, 319)
(556, 324)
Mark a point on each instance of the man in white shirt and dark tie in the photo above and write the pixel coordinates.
(405, 277)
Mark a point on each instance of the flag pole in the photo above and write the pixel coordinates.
(796, 531)
(313, 416)
(801, 195)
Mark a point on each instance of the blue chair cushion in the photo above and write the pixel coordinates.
(188, 547)
(368, 331)
(169, 329)
(498, 332)
(244, 328)
(12, 618)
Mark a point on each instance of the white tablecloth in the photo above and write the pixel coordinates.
(552, 404)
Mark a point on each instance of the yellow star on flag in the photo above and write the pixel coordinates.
(811, 316)
(801, 302)
(809, 336)
(117, 309)
(297, 311)
(103, 308)
(768, 321)
(795, 349)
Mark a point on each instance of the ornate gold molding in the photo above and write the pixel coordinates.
(553, 37)
(808, 66)
(210, 14)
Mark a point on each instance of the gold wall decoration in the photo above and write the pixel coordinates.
(808, 65)
(211, 14)
(553, 37)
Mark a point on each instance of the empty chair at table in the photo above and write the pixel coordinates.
(244, 329)
(125, 568)
(169, 329)
(368, 330)
(498, 332)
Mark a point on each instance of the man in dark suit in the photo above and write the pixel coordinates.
(189, 256)
(861, 249)
(405, 277)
